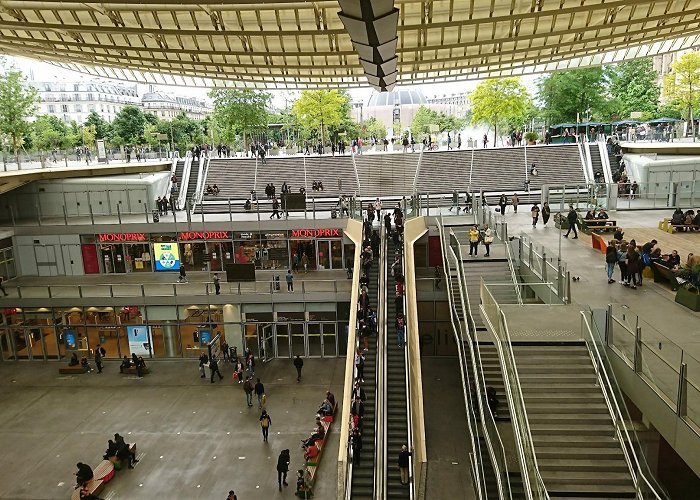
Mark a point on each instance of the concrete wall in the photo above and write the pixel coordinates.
(51, 255)
(105, 195)
(660, 172)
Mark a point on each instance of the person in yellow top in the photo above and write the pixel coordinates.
(474, 240)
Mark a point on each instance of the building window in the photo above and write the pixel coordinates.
(91, 107)
(64, 97)
(78, 108)
(76, 87)
(90, 97)
(64, 108)
(51, 108)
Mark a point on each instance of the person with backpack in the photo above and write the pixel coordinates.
(265, 422)
(610, 260)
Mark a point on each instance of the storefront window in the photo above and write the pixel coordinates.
(196, 328)
(138, 258)
(301, 248)
(39, 335)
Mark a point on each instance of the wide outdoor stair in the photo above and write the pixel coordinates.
(387, 174)
(493, 376)
(492, 271)
(499, 169)
(395, 385)
(363, 475)
(596, 161)
(572, 431)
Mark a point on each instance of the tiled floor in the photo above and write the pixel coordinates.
(196, 440)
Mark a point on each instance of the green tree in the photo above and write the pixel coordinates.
(424, 117)
(18, 101)
(127, 127)
(499, 101)
(682, 85)
(239, 112)
(322, 112)
(373, 127)
(48, 132)
(633, 87)
(101, 126)
(566, 93)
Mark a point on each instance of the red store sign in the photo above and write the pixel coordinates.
(316, 233)
(204, 235)
(122, 237)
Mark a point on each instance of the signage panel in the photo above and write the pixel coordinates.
(139, 340)
(167, 256)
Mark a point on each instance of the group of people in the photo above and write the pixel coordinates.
(163, 205)
(477, 236)
(212, 190)
(687, 218)
(118, 451)
(135, 361)
(317, 186)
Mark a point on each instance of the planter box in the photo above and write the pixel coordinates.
(562, 223)
(688, 298)
(291, 151)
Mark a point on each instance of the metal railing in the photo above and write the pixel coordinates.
(489, 428)
(669, 370)
(496, 320)
(470, 404)
(380, 447)
(156, 289)
(645, 484)
(545, 266)
(184, 182)
(513, 276)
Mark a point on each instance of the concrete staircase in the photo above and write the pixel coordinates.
(493, 377)
(596, 161)
(573, 434)
(387, 174)
(492, 271)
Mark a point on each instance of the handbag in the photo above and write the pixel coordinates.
(235, 376)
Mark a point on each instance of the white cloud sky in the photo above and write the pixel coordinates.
(45, 71)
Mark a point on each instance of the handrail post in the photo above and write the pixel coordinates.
(638, 350)
(682, 402)
(544, 265)
(609, 327)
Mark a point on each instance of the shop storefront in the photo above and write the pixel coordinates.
(8, 269)
(210, 251)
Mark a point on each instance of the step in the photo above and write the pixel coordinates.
(567, 408)
(596, 478)
(568, 418)
(582, 464)
(573, 441)
(588, 453)
(572, 429)
(553, 387)
(561, 397)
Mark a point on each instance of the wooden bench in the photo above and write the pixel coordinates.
(663, 274)
(311, 467)
(590, 225)
(132, 370)
(70, 369)
(102, 474)
(666, 225)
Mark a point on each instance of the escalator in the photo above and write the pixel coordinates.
(192, 182)
(397, 424)
(363, 486)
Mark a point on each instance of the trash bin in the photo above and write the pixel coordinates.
(156, 216)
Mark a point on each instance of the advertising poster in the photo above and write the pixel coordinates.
(167, 256)
(139, 340)
(101, 151)
(204, 337)
(69, 338)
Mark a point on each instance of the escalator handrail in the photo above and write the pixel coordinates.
(380, 369)
(407, 359)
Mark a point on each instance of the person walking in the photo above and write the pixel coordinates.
(474, 241)
(98, 358)
(305, 262)
(502, 202)
(183, 274)
(275, 209)
(282, 468)
(610, 260)
(400, 330)
(260, 392)
(203, 360)
(2, 288)
(290, 280)
(404, 462)
(356, 446)
(214, 369)
(546, 212)
(571, 219)
(438, 277)
(488, 239)
(217, 284)
(265, 422)
(231, 495)
(535, 214)
(298, 364)
(514, 200)
(455, 200)
(248, 389)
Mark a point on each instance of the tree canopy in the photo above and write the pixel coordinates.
(372, 127)
(18, 102)
(633, 88)
(101, 126)
(566, 93)
(239, 112)
(682, 85)
(322, 113)
(128, 126)
(499, 101)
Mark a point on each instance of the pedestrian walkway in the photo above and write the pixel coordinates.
(195, 440)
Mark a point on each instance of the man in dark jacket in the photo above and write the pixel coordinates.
(282, 468)
(259, 392)
(84, 473)
(214, 368)
(298, 364)
(404, 462)
(571, 218)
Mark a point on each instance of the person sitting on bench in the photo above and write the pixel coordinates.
(677, 217)
(209, 189)
(86, 495)
(602, 214)
(123, 451)
(247, 206)
(83, 474)
(330, 398)
(326, 409)
(84, 363)
(126, 364)
(215, 190)
(74, 360)
(111, 450)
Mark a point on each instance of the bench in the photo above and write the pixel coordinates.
(663, 274)
(311, 467)
(70, 369)
(590, 225)
(132, 370)
(102, 474)
(666, 225)
(599, 243)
